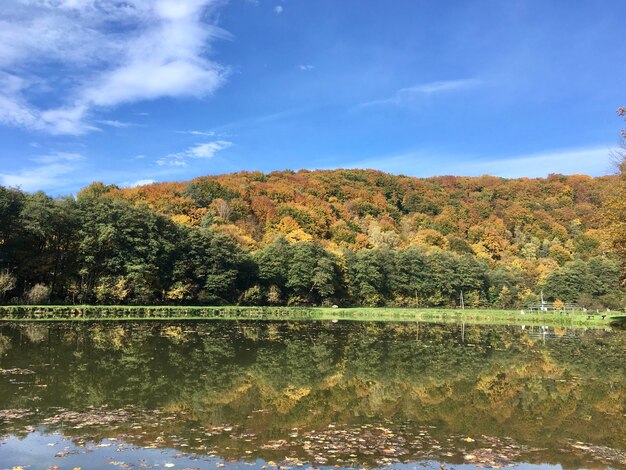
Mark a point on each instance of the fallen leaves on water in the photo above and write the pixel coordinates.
(16, 371)
(13, 414)
(598, 452)
(357, 445)
(119, 464)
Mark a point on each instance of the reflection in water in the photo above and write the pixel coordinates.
(346, 394)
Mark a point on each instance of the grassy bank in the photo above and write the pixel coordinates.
(116, 312)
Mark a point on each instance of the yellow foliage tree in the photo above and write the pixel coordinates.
(292, 231)
(559, 305)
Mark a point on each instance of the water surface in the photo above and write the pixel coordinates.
(310, 394)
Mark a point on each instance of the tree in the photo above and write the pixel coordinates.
(274, 296)
(306, 276)
(325, 277)
(7, 283)
(409, 275)
(369, 272)
(492, 239)
(37, 294)
(213, 262)
(222, 209)
(118, 239)
(11, 202)
(594, 278)
(615, 207)
(204, 191)
(273, 263)
(252, 296)
(43, 249)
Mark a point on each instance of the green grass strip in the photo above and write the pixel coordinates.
(378, 314)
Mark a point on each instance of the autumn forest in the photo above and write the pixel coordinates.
(347, 237)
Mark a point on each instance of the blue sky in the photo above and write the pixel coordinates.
(162, 90)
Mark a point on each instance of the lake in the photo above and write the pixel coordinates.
(239, 394)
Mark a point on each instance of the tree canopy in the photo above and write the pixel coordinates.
(354, 237)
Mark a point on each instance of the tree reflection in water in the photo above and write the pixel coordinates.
(271, 390)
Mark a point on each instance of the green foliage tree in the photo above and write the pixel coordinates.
(214, 263)
(369, 273)
(273, 262)
(119, 239)
(204, 191)
(311, 277)
(11, 202)
(409, 275)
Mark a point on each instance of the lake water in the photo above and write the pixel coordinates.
(310, 395)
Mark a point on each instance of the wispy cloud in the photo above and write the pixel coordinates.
(278, 9)
(201, 133)
(253, 121)
(199, 151)
(591, 160)
(134, 184)
(53, 170)
(410, 95)
(100, 53)
(306, 67)
(116, 124)
(58, 157)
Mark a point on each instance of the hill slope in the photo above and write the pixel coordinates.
(492, 217)
(312, 237)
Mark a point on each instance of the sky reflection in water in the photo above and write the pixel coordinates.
(291, 394)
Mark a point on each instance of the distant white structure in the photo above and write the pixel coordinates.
(550, 307)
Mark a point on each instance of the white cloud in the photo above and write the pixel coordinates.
(100, 53)
(115, 123)
(206, 150)
(592, 160)
(278, 9)
(209, 149)
(171, 160)
(409, 95)
(306, 67)
(52, 172)
(202, 133)
(134, 184)
(437, 87)
(58, 157)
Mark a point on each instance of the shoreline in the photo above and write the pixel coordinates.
(86, 313)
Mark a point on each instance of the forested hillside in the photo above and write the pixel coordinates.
(352, 237)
